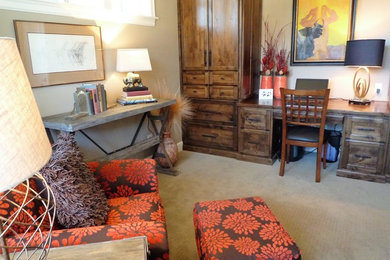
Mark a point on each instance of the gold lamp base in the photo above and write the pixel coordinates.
(361, 87)
(364, 102)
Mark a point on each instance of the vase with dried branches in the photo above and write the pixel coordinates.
(274, 53)
(281, 58)
(179, 113)
(268, 59)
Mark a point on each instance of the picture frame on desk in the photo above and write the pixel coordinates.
(57, 53)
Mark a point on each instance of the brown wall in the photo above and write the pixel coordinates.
(162, 43)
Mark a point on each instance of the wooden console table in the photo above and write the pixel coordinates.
(61, 122)
(130, 248)
(365, 145)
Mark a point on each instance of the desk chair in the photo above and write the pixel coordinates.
(303, 123)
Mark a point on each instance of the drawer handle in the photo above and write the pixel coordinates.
(209, 112)
(362, 156)
(194, 77)
(194, 91)
(366, 129)
(253, 143)
(222, 78)
(210, 136)
(222, 93)
(254, 120)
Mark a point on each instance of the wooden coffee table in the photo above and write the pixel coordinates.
(135, 248)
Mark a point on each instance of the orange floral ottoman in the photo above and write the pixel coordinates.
(241, 229)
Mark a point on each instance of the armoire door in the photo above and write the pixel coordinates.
(194, 33)
(224, 34)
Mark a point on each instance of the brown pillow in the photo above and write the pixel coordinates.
(80, 200)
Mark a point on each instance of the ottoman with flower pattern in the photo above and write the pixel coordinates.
(241, 229)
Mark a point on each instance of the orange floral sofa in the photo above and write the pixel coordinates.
(135, 208)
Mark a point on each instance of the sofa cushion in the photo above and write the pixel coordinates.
(153, 230)
(141, 207)
(80, 200)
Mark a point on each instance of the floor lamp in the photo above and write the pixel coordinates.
(25, 149)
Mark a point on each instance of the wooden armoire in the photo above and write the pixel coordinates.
(220, 65)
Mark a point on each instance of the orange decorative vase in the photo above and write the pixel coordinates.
(280, 82)
(171, 149)
(266, 81)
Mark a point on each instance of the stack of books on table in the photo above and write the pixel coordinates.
(90, 98)
(136, 95)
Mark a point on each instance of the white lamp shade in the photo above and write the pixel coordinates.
(130, 60)
(24, 145)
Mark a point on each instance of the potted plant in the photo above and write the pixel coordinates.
(281, 58)
(268, 60)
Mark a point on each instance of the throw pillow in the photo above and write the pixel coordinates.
(80, 200)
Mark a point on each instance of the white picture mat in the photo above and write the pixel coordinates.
(61, 52)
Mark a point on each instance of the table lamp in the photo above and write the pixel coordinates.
(131, 60)
(25, 149)
(363, 54)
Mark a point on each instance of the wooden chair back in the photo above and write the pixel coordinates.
(304, 107)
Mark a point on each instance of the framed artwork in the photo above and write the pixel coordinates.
(321, 29)
(55, 53)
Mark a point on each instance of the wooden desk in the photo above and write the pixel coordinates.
(61, 123)
(131, 248)
(365, 146)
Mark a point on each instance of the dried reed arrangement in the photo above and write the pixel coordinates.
(180, 112)
(271, 50)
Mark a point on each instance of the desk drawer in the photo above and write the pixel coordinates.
(363, 157)
(366, 129)
(196, 91)
(255, 143)
(224, 78)
(195, 77)
(255, 118)
(216, 111)
(222, 137)
(224, 92)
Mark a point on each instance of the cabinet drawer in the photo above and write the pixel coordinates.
(196, 77)
(255, 143)
(363, 157)
(224, 92)
(222, 137)
(255, 118)
(366, 129)
(224, 77)
(196, 91)
(216, 111)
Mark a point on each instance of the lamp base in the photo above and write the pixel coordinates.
(362, 102)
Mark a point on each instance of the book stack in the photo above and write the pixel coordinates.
(90, 98)
(136, 95)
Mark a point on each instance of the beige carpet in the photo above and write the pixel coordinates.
(339, 218)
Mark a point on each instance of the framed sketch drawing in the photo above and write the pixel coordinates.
(321, 29)
(55, 53)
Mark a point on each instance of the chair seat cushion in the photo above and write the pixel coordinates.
(303, 133)
(140, 207)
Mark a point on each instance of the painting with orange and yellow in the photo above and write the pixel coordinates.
(322, 28)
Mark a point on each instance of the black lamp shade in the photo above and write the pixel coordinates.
(364, 52)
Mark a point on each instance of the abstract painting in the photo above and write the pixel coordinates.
(321, 29)
(55, 53)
